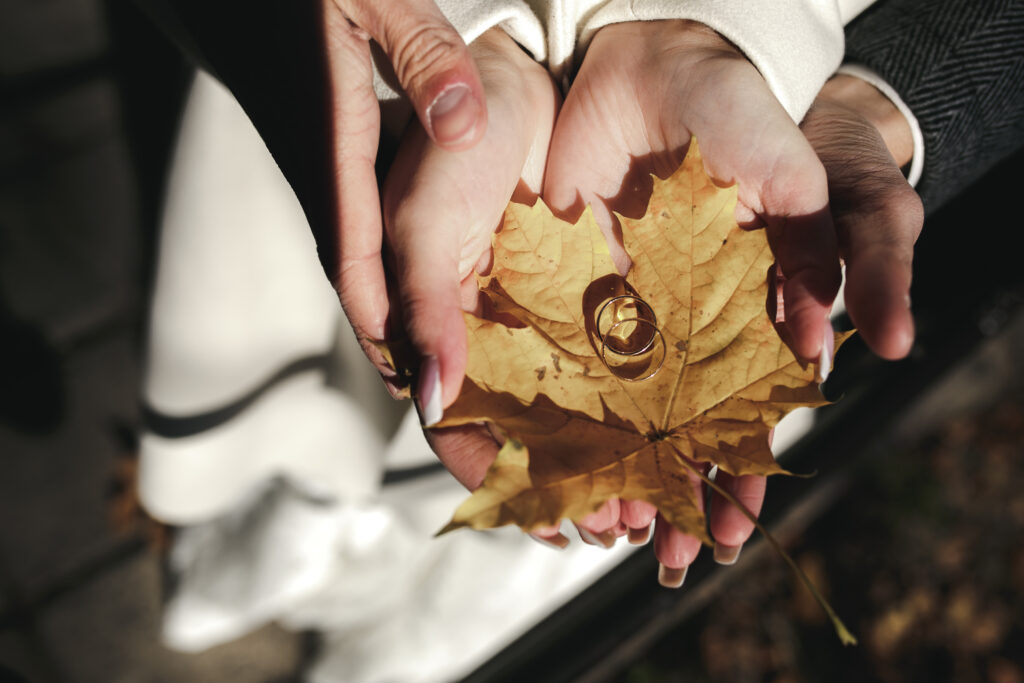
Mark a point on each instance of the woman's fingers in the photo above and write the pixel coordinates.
(638, 518)
(730, 528)
(355, 118)
(441, 208)
(600, 528)
(675, 551)
(420, 197)
(432, 63)
(466, 452)
(781, 179)
(437, 72)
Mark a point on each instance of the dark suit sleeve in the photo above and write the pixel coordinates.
(959, 66)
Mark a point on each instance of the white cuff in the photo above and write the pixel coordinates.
(795, 46)
(866, 74)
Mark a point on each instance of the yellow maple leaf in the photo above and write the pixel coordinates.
(612, 386)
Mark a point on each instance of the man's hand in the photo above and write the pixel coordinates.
(863, 140)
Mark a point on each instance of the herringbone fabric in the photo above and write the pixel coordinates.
(959, 66)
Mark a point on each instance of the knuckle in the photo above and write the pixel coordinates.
(796, 185)
(423, 51)
(351, 289)
(897, 212)
(912, 210)
(420, 315)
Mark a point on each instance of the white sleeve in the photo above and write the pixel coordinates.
(795, 45)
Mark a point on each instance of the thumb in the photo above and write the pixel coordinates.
(432, 63)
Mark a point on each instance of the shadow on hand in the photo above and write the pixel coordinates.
(786, 234)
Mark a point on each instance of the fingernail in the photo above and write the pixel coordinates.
(396, 390)
(605, 539)
(727, 554)
(828, 347)
(429, 394)
(639, 536)
(558, 541)
(453, 114)
(671, 578)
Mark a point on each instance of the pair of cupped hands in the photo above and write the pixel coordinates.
(491, 125)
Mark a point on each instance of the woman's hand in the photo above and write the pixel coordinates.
(441, 209)
(642, 91)
(438, 74)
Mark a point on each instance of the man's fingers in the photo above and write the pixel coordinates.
(879, 251)
(878, 218)
(878, 301)
(432, 64)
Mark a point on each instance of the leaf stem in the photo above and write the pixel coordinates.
(675, 392)
(844, 634)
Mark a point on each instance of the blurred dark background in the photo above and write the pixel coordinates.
(914, 526)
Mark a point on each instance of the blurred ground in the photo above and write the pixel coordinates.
(923, 558)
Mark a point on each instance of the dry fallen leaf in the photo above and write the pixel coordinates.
(585, 422)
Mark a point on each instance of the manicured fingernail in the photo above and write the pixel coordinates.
(671, 578)
(605, 539)
(828, 347)
(453, 114)
(639, 536)
(429, 394)
(727, 554)
(558, 541)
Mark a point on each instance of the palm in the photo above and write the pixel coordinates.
(643, 90)
(632, 112)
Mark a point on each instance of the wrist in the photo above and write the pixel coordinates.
(864, 99)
